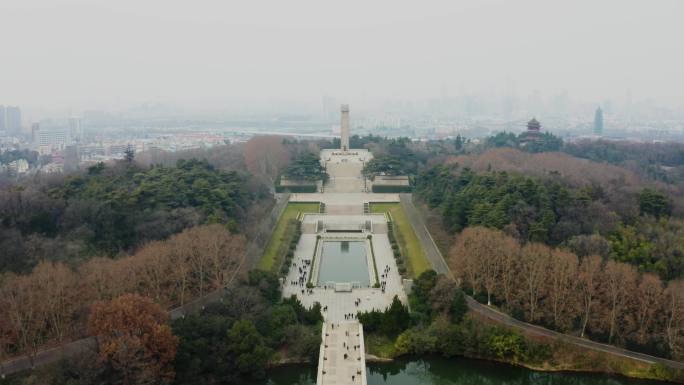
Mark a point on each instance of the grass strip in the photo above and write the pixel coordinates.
(278, 244)
(407, 239)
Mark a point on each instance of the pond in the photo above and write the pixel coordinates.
(452, 371)
(344, 262)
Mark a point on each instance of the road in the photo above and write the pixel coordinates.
(439, 265)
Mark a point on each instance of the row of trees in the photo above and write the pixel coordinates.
(607, 300)
(49, 304)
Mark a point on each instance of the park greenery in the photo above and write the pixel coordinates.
(659, 161)
(408, 253)
(542, 142)
(307, 167)
(438, 324)
(549, 211)
(280, 248)
(231, 341)
(107, 210)
(587, 295)
(595, 247)
(391, 165)
(251, 328)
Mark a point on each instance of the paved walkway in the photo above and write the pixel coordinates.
(342, 359)
(344, 198)
(341, 304)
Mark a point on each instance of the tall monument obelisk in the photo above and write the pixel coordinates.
(344, 128)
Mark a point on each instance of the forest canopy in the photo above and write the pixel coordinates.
(110, 209)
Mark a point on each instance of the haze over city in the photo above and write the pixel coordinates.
(74, 55)
(375, 192)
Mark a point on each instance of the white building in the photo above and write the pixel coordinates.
(53, 140)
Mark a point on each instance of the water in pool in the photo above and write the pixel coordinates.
(344, 261)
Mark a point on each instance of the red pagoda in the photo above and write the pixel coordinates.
(532, 133)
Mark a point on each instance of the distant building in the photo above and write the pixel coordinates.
(18, 167)
(598, 122)
(35, 128)
(13, 119)
(71, 158)
(3, 125)
(532, 133)
(55, 139)
(533, 127)
(76, 129)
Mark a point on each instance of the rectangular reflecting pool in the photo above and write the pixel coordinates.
(343, 262)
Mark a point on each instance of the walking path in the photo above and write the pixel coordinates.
(342, 359)
(440, 266)
(339, 305)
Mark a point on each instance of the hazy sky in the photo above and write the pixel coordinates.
(110, 54)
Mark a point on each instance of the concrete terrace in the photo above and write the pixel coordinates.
(340, 304)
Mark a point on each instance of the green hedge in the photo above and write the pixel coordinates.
(297, 189)
(391, 189)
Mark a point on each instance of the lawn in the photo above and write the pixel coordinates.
(406, 237)
(278, 244)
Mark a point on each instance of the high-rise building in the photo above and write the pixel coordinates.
(344, 128)
(76, 129)
(53, 140)
(35, 128)
(598, 122)
(3, 126)
(13, 119)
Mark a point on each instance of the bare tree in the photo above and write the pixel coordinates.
(24, 313)
(589, 280)
(57, 286)
(534, 261)
(674, 310)
(266, 156)
(618, 284)
(509, 279)
(648, 305)
(562, 287)
(464, 256)
(154, 261)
